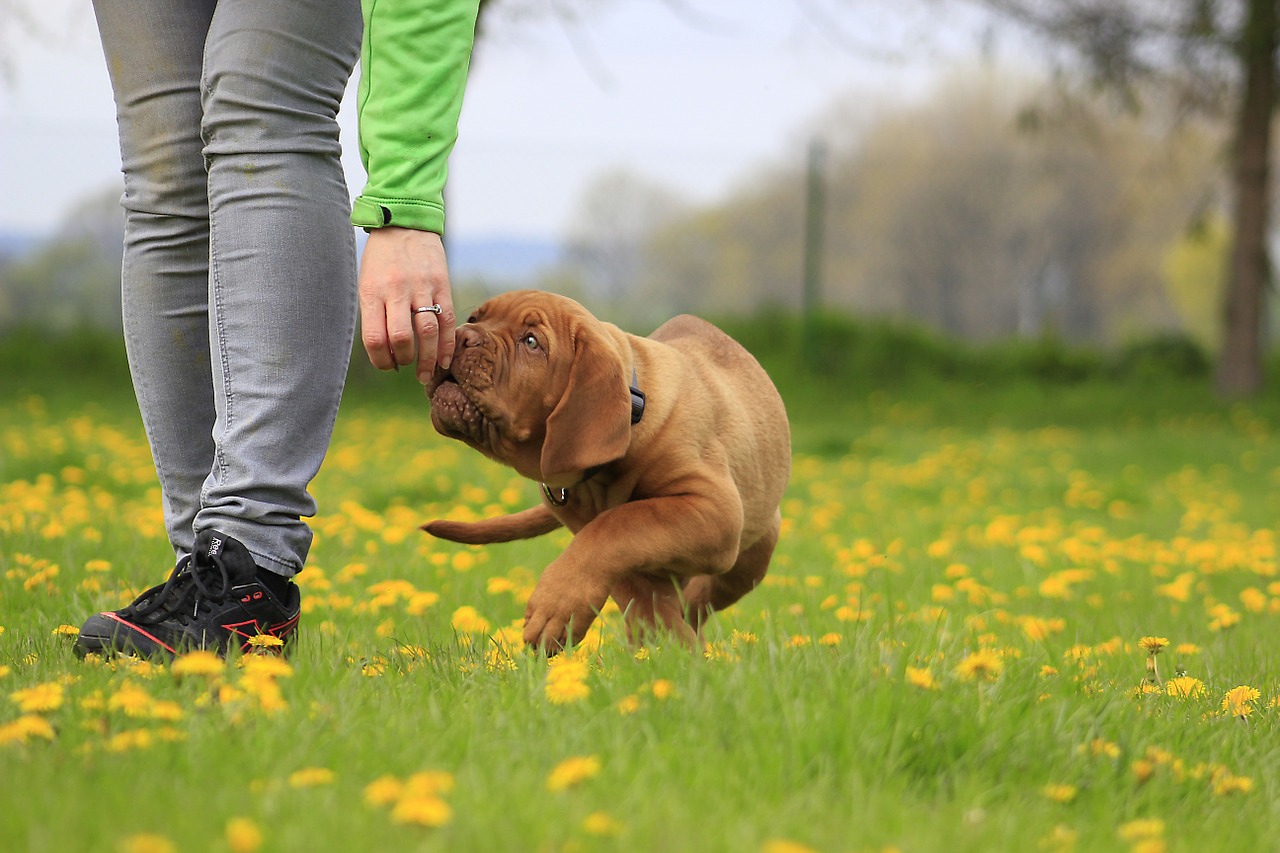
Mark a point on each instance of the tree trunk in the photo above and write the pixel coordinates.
(1240, 368)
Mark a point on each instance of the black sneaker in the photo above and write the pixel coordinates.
(212, 600)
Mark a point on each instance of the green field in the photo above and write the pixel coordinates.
(946, 656)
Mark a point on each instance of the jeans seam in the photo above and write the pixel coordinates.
(228, 396)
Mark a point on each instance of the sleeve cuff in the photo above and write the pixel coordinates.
(403, 213)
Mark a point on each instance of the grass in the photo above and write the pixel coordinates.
(946, 654)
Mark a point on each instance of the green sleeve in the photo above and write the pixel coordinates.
(413, 70)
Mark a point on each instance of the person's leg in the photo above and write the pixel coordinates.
(282, 263)
(154, 54)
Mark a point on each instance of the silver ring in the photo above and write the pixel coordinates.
(429, 309)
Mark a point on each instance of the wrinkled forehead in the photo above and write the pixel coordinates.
(526, 309)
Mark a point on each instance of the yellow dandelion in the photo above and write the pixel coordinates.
(573, 771)
(147, 842)
(311, 777)
(1140, 829)
(1154, 645)
(1143, 770)
(984, 665)
(466, 620)
(429, 782)
(265, 666)
(1184, 687)
(1059, 793)
(130, 698)
(562, 691)
(1225, 783)
(1187, 649)
(831, 639)
(5, 670)
(1238, 701)
(243, 835)
(422, 810)
(24, 728)
(629, 704)
(601, 823)
(662, 689)
(265, 643)
(39, 699)
(784, 845)
(66, 631)
(199, 663)
(131, 739)
(922, 677)
(383, 791)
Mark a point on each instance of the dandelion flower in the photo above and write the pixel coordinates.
(66, 631)
(1184, 687)
(922, 677)
(601, 823)
(1059, 793)
(466, 620)
(984, 665)
(39, 699)
(147, 842)
(1225, 783)
(429, 782)
(1140, 829)
(662, 689)
(310, 777)
(573, 771)
(266, 666)
(629, 704)
(243, 835)
(383, 791)
(24, 728)
(564, 691)
(1238, 701)
(199, 663)
(783, 845)
(131, 699)
(422, 810)
(265, 643)
(1154, 645)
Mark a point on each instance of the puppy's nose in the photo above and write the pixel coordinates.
(468, 336)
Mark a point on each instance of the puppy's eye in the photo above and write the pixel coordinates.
(473, 318)
(530, 341)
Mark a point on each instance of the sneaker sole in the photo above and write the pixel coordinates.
(107, 633)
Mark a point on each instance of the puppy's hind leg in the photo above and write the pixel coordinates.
(705, 594)
(652, 603)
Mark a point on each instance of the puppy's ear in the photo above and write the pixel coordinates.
(591, 425)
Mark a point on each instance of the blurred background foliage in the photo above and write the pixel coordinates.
(1091, 205)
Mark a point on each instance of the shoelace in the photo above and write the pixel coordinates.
(190, 578)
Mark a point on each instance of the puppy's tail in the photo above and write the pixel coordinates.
(527, 524)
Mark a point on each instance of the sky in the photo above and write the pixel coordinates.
(698, 95)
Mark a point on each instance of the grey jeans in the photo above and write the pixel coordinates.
(238, 282)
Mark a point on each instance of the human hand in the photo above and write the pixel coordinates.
(403, 269)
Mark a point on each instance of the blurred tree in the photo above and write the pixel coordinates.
(73, 279)
(609, 230)
(957, 213)
(1213, 54)
(1195, 269)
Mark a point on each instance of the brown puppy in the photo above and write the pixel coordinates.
(672, 493)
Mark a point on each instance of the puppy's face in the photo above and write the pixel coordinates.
(536, 384)
(508, 371)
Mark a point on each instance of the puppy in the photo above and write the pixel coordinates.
(666, 456)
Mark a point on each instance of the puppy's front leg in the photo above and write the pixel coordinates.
(687, 534)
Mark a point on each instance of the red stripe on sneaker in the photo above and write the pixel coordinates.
(133, 627)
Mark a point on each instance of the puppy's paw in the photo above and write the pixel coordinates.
(559, 615)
